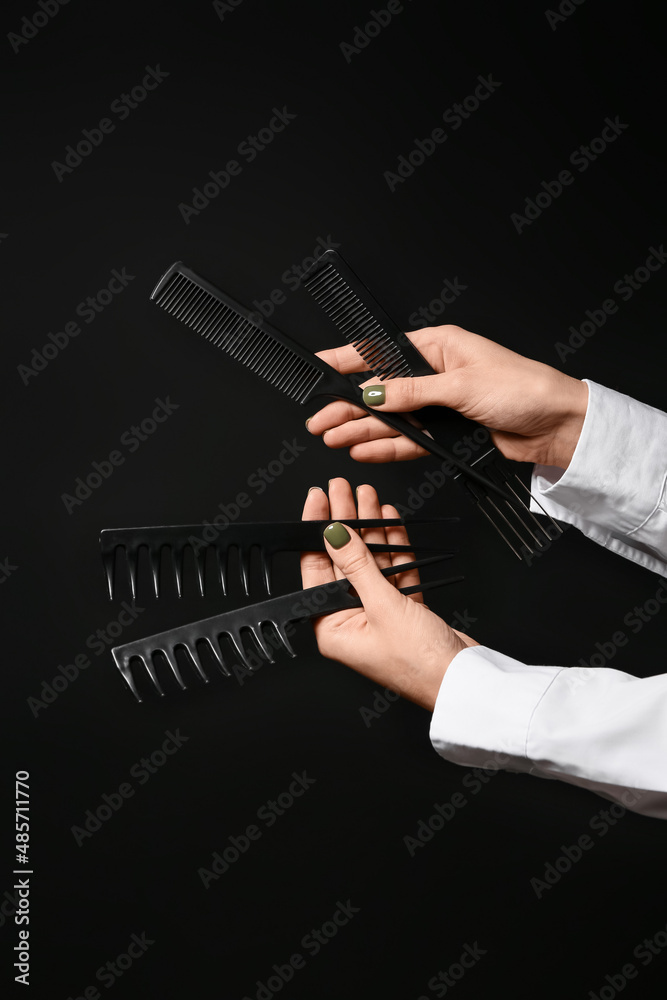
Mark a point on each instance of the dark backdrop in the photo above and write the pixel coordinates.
(322, 177)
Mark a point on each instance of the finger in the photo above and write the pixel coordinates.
(398, 535)
(316, 567)
(344, 359)
(368, 505)
(349, 553)
(405, 394)
(332, 415)
(342, 505)
(394, 449)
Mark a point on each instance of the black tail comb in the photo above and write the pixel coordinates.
(265, 624)
(208, 541)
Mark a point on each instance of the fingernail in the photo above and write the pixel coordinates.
(307, 422)
(374, 395)
(311, 488)
(337, 535)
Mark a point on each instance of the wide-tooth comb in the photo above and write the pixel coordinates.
(389, 353)
(276, 613)
(275, 356)
(268, 537)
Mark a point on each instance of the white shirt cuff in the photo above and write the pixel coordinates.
(614, 489)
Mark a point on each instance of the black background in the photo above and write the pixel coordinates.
(322, 176)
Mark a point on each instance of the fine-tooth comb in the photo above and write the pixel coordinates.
(389, 353)
(269, 537)
(276, 357)
(275, 613)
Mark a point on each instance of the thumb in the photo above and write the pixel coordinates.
(352, 557)
(401, 394)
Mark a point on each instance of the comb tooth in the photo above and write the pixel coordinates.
(236, 641)
(244, 568)
(193, 653)
(150, 667)
(132, 559)
(123, 663)
(222, 557)
(189, 313)
(265, 558)
(109, 560)
(200, 563)
(174, 302)
(282, 635)
(154, 555)
(256, 631)
(214, 647)
(168, 295)
(170, 657)
(177, 565)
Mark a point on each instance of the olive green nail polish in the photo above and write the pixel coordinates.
(374, 395)
(337, 535)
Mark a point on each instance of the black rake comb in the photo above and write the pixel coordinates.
(218, 544)
(389, 353)
(276, 357)
(251, 622)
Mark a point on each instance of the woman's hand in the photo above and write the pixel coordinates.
(535, 413)
(394, 640)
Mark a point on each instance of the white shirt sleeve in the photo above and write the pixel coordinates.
(598, 728)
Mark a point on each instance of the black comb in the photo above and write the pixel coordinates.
(276, 357)
(251, 621)
(268, 537)
(389, 353)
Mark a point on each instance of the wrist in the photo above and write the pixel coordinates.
(572, 407)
